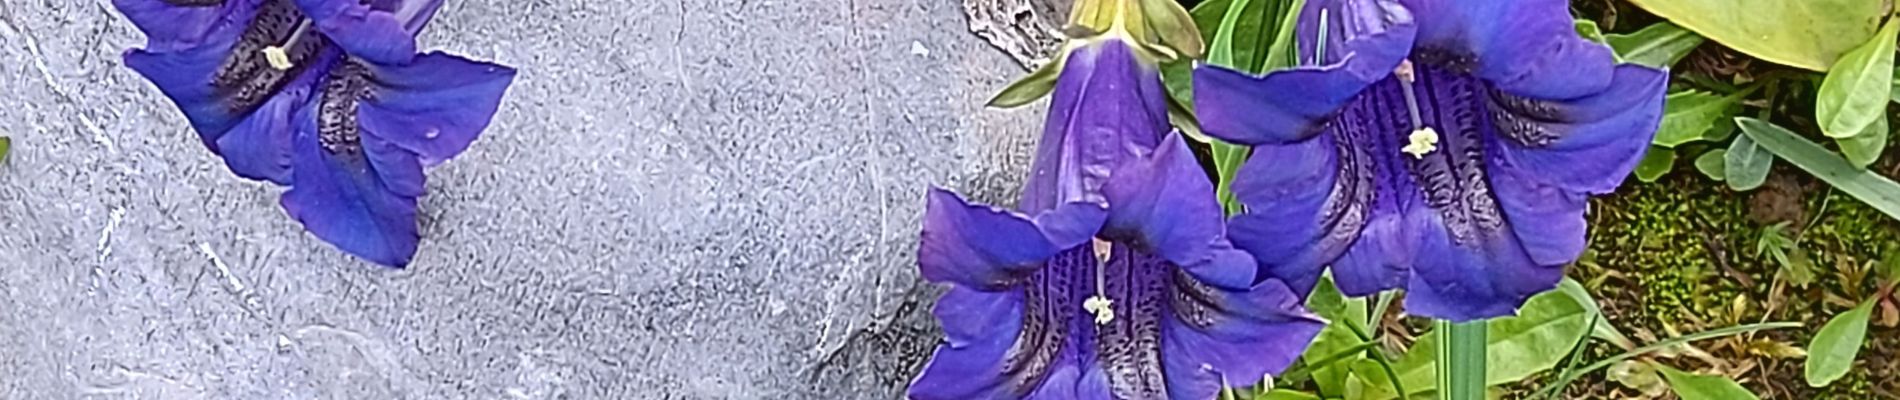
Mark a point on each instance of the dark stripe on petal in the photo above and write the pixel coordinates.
(1456, 186)
(194, 3)
(1052, 317)
(1451, 177)
(246, 78)
(1130, 346)
(347, 86)
(1176, 337)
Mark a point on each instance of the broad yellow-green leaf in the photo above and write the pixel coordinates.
(1858, 88)
(1809, 34)
(6, 144)
(1835, 346)
(1655, 164)
(1875, 190)
(1690, 386)
(1747, 164)
(1659, 45)
(1693, 115)
(1864, 148)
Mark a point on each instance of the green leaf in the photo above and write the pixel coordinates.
(1809, 34)
(1690, 386)
(1690, 116)
(1534, 340)
(1283, 394)
(1713, 164)
(1207, 17)
(1030, 88)
(6, 144)
(1858, 88)
(1251, 32)
(1896, 84)
(1833, 349)
(1875, 190)
(1327, 302)
(1864, 148)
(1659, 45)
(1602, 329)
(1890, 263)
(1655, 164)
(1747, 164)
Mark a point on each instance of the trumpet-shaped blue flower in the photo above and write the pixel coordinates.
(1115, 280)
(326, 96)
(1447, 147)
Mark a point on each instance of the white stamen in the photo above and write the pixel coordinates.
(1099, 304)
(1102, 307)
(1423, 141)
(277, 56)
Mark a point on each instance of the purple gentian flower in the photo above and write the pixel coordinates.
(326, 96)
(1115, 280)
(1448, 147)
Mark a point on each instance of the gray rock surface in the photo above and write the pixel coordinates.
(694, 199)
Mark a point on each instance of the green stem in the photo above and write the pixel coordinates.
(1227, 161)
(1461, 368)
(1301, 372)
(1572, 375)
(1378, 356)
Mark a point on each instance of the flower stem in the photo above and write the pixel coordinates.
(1461, 369)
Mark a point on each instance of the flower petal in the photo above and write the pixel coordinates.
(1547, 220)
(223, 77)
(1485, 278)
(359, 196)
(1163, 204)
(1589, 144)
(259, 146)
(174, 25)
(979, 329)
(378, 31)
(1176, 337)
(1105, 106)
(1525, 47)
(436, 105)
(1249, 335)
(1021, 343)
(1292, 225)
(1295, 104)
(987, 248)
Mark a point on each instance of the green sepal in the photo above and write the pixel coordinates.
(1174, 27)
(1030, 88)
